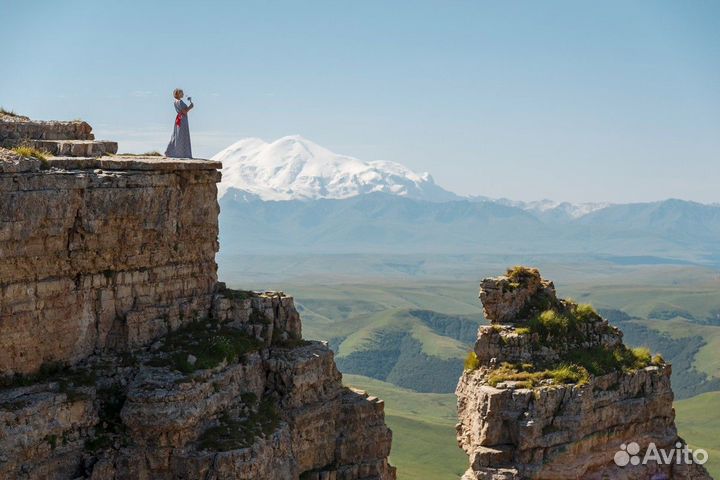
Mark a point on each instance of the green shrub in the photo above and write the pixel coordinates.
(571, 374)
(518, 273)
(472, 362)
(640, 357)
(585, 312)
(567, 322)
(550, 323)
(523, 331)
(601, 361)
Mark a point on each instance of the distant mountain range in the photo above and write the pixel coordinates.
(293, 195)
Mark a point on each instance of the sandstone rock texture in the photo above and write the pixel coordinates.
(519, 418)
(102, 260)
(57, 138)
(122, 357)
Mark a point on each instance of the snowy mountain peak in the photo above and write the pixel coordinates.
(295, 168)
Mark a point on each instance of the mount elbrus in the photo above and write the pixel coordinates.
(551, 392)
(123, 357)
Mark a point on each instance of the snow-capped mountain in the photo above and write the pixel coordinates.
(294, 168)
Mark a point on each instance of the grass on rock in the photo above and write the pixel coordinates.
(551, 324)
(31, 152)
(576, 367)
(209, 342)
(234, 433)
(472, 362)
(564, 322)
(527, 378)
(10, 113)
(69, 379)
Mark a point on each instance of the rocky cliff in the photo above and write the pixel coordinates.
(551, 392)
(122, 357)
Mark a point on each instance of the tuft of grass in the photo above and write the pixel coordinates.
(554, 324)
(585, 312)
(570, 374)
(639, 357)
(527, 378)
(31, 152)
(472, 362)
(518, 273)
(523, 331)
(601, 361)
(10, 113)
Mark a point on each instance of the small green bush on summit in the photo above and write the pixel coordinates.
(520, 274)
(585, 312)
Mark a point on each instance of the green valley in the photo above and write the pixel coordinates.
(401, 326)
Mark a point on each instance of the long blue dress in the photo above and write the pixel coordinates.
(179, 146)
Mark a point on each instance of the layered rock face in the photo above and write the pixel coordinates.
(551, 392)
(97, 259)
(122, 357)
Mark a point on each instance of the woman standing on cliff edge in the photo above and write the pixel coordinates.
(179, 146)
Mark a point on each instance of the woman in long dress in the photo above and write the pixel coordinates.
(179, 146)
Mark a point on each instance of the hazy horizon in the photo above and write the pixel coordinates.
(614, 102)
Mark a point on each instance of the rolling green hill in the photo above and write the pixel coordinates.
(406, 326)
(417, 349)
(698, 423)
(423, 425)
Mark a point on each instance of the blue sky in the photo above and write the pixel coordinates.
(570, 100)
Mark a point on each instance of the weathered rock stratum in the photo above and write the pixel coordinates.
(551, 392)
(123, 357)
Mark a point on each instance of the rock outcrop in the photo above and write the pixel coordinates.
(550, 392)
(122, 357)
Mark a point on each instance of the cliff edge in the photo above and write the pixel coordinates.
(551, 392)
(123, 357)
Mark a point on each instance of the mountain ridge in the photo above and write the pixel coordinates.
(293, 168)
